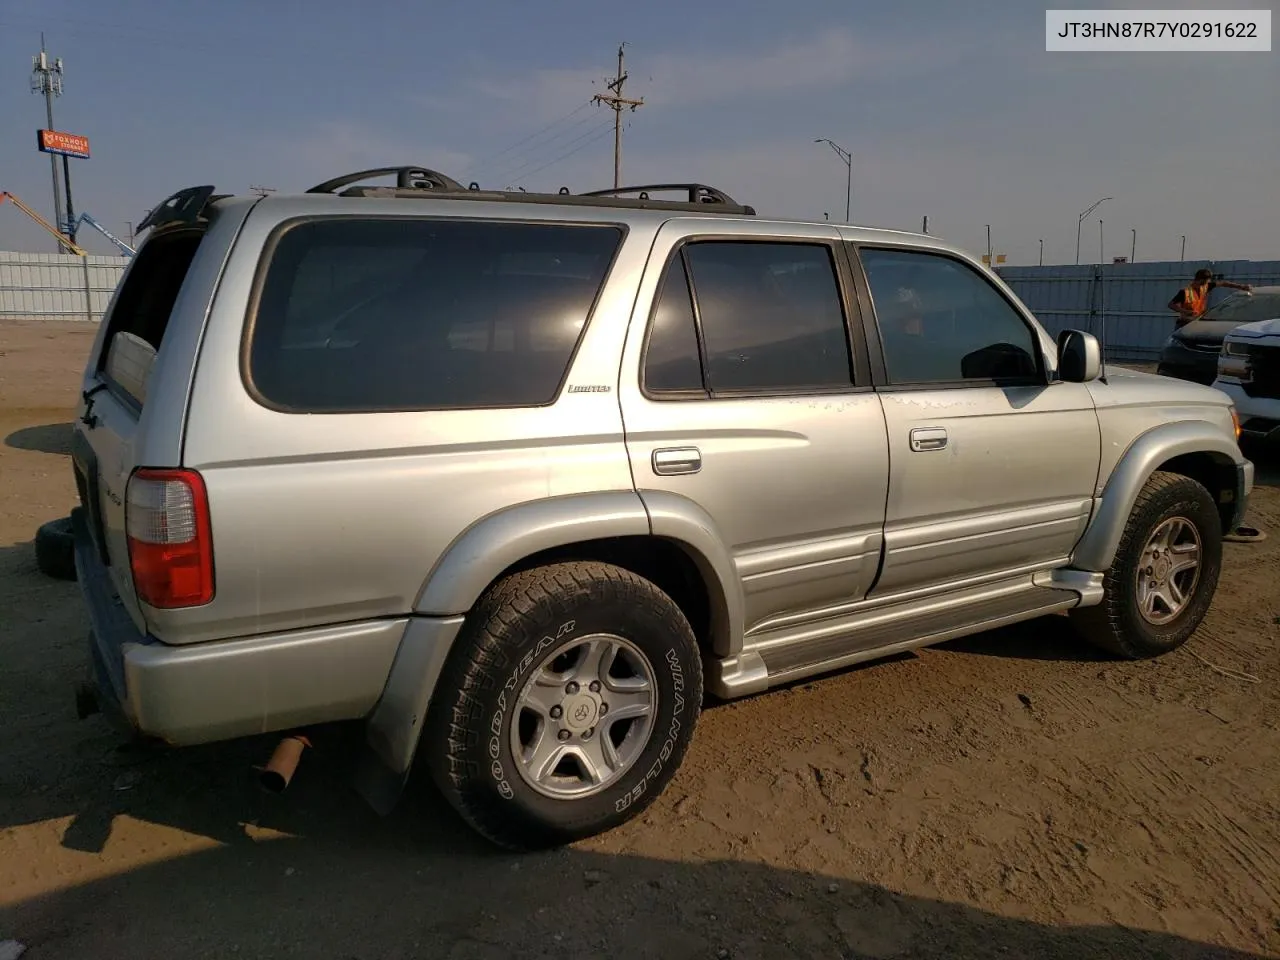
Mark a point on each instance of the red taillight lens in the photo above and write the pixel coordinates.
(170, 548)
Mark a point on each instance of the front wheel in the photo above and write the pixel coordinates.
(566, 706)
(1165, 571)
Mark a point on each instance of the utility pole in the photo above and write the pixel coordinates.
(616, 102)
(1183, 255)
(1133, 249)
(129, 224)
(847, 157)
(991, 260)
(1042, 252)
(924, 227)
(46, 79)
(1101, 256)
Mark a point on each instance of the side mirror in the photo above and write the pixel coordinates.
(1079, 356)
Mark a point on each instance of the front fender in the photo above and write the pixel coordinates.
(1097, 548)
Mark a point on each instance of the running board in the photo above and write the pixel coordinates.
(870, 634)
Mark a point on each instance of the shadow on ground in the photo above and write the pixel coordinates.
(50, 438)
(418, 886)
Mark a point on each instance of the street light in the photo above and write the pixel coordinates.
(1081, 221)
(847, 157)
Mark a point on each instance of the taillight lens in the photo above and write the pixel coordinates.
(170, 547)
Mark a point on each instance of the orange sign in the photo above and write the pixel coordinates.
(67, 144)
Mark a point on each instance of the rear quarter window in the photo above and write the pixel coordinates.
(358, 315)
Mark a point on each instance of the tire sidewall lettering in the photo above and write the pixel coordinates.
(655, 770)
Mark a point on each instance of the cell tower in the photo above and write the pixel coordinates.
(46, 79)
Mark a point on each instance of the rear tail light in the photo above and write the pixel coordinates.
(170, 547)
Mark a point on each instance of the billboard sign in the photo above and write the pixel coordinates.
(67, 144)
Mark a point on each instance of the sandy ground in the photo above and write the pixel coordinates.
(1011, 795)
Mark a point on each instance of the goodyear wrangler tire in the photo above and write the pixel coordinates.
(566, 705)
(1164, 575)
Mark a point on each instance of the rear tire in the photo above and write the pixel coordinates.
(56, 549)
(566, 705)
(1154, 599)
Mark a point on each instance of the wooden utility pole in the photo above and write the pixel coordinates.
(616, 102)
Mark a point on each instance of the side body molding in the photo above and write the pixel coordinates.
(501, 539)
(1097, 548)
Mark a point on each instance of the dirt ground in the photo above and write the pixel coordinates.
(1011, 795)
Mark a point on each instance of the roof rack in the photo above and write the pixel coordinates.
(407, 178)
(423, 182)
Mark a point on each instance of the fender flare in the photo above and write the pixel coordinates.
(480, 554)
(1097, 548)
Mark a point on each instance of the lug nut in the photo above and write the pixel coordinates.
(595, 686)
(564, 734)
(587, 735)
(571, 688)
(557, 712)
(604, 708)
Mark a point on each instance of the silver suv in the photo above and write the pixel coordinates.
(512, 479)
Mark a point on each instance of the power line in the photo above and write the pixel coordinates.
(537, 133)
(593, 137)
(540, 151)
(615, 103)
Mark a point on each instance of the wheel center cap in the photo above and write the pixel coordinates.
(1161, 568)
(580, 712)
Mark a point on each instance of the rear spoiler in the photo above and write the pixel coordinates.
(187, 207)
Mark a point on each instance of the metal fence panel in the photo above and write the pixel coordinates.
(53, 286)
(1124, 304)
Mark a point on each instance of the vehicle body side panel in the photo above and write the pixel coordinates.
(329, 517)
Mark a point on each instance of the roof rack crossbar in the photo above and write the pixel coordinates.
(407, 178)
(697, 192)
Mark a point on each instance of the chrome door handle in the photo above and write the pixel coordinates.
(924, 439)
(675, 460)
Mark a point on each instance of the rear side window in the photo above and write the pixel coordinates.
(367, 315)
(141, 311)
(769, 319)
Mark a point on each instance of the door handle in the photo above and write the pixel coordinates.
(924, 439)
(670, 461)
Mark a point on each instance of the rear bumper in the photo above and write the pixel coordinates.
(221, 690)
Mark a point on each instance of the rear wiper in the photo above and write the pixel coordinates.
(88, 418)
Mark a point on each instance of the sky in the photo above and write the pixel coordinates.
(949, 113)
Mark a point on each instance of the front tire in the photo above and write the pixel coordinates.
(1164, 575)
(566, 705)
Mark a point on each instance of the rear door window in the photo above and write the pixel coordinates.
(391, 314)
(140, 315)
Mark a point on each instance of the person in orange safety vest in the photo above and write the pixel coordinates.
(1192, 300)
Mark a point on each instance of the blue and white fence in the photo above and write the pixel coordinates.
(1128, 302)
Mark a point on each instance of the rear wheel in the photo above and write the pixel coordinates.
(1165, 571)
(566, 706)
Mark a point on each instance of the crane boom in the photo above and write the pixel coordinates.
(125, 249)
(58, 234)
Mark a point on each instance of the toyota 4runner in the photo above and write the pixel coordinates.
(512, 479)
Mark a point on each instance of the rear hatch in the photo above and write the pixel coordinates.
(118, 404)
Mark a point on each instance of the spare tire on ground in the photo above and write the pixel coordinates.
(56, 549)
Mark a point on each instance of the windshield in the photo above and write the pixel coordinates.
(1243, 308)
